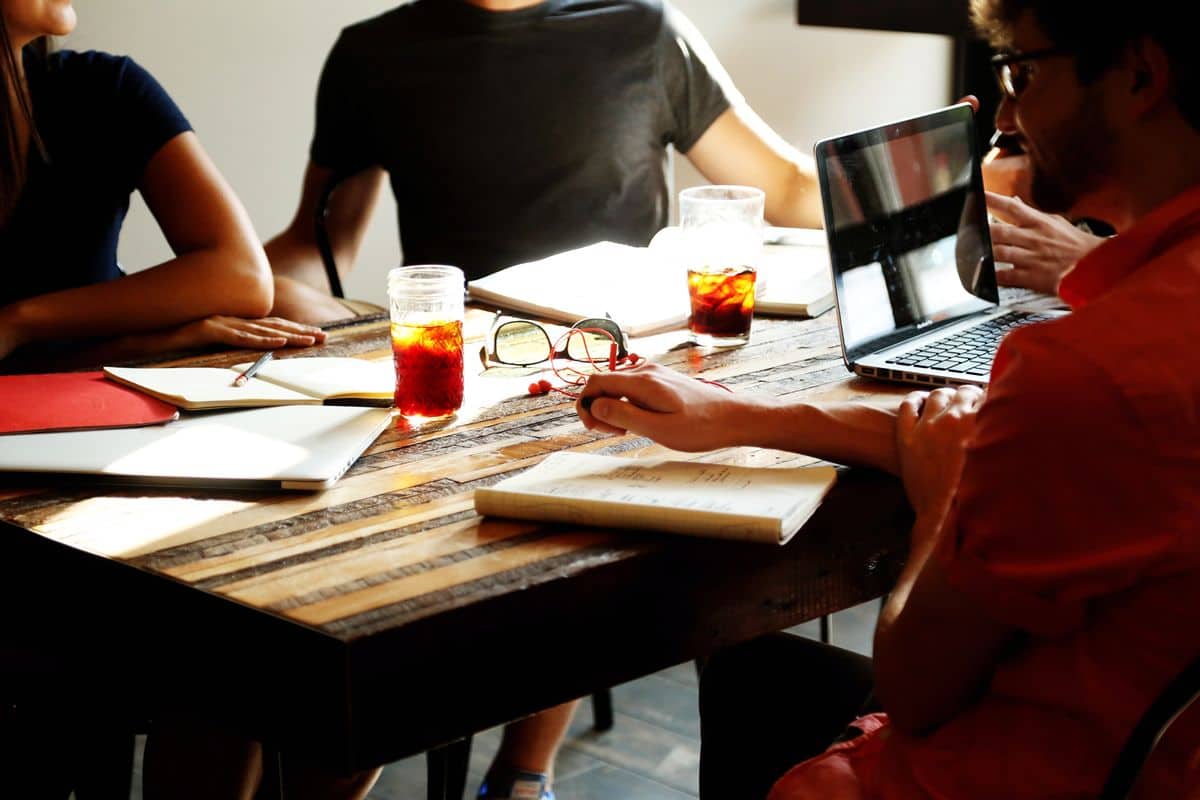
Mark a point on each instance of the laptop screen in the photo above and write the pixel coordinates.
(907, 227)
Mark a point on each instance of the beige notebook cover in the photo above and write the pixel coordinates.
(292, 381)
(690, 497)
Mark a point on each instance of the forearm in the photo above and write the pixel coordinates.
(856, 434)
(796, 201)
(233, 281)
(924, 538)
(920, 680)
(917, 694)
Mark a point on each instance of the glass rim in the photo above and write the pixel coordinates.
(425, 279)
(733, 193)
(432, 270)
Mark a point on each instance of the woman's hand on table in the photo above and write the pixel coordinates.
(267, 333)
(252, 334)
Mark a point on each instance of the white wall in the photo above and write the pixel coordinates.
(245, 71)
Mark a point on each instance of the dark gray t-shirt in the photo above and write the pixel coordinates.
(510, 136)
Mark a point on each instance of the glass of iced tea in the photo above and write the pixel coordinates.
(427, 342)
(721, 243)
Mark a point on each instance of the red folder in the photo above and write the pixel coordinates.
(74, 401)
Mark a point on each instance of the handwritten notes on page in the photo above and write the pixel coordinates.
(687, 497)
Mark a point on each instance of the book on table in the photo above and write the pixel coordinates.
(74, 401)
(635, 286)
(760, 504)
(795, 279)
(289, 381)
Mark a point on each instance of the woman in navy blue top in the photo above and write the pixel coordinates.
(79, 132)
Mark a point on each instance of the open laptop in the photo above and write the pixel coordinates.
(913, 273)
(281, 447)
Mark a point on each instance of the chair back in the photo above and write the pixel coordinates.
(321, 230)
(1162, 713)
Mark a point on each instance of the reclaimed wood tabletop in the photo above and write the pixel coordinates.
(381, 617)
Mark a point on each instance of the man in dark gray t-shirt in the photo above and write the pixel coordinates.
(515, 129)
(512, 130)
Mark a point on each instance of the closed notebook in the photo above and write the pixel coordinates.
(72, 401)
(291, 381)
(689, 497)
(291, 447)
(795, 279)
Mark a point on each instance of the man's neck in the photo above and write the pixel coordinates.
(1167, 164)
(504, 5)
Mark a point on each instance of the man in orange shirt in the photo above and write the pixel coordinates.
(1053, 584)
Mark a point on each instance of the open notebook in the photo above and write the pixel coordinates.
(288, 447)
(695, 498)
(640, 291)
(290, 381)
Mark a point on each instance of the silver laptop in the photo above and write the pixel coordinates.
(913, 273)
(281, 447)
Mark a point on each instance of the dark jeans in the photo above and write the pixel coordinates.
(771, 703)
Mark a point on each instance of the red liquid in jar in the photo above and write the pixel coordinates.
(429, 368)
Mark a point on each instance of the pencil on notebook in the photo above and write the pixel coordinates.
(251, 370)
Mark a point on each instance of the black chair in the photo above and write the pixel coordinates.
(321, 232)
(1174, 700)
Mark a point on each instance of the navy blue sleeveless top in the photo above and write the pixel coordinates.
(102, 118)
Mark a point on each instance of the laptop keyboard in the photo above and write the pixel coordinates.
(969, 352)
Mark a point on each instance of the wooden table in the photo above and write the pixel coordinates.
(382, 617)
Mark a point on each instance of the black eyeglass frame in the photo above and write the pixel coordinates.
(604, 324)
(1002, 67)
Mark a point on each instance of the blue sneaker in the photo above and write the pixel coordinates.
(516, 785)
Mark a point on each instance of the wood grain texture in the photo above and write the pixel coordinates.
(393, 562)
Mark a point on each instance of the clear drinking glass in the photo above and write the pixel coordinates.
(427, 340)
(721, 243)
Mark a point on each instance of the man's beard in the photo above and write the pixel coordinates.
(1081, 157)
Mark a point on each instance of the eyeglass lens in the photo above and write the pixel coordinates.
(522, 343)
(1015, 77)
(589, 345)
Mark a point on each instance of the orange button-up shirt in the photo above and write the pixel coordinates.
(1077, 522)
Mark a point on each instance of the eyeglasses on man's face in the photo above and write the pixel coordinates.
(523, 343)
(1014, 70)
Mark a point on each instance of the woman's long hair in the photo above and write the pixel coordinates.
(15, 106)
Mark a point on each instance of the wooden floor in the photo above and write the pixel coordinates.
(651, 753)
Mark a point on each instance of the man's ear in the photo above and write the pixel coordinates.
(1149, 74)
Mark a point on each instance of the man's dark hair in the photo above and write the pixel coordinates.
(1098, 35)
